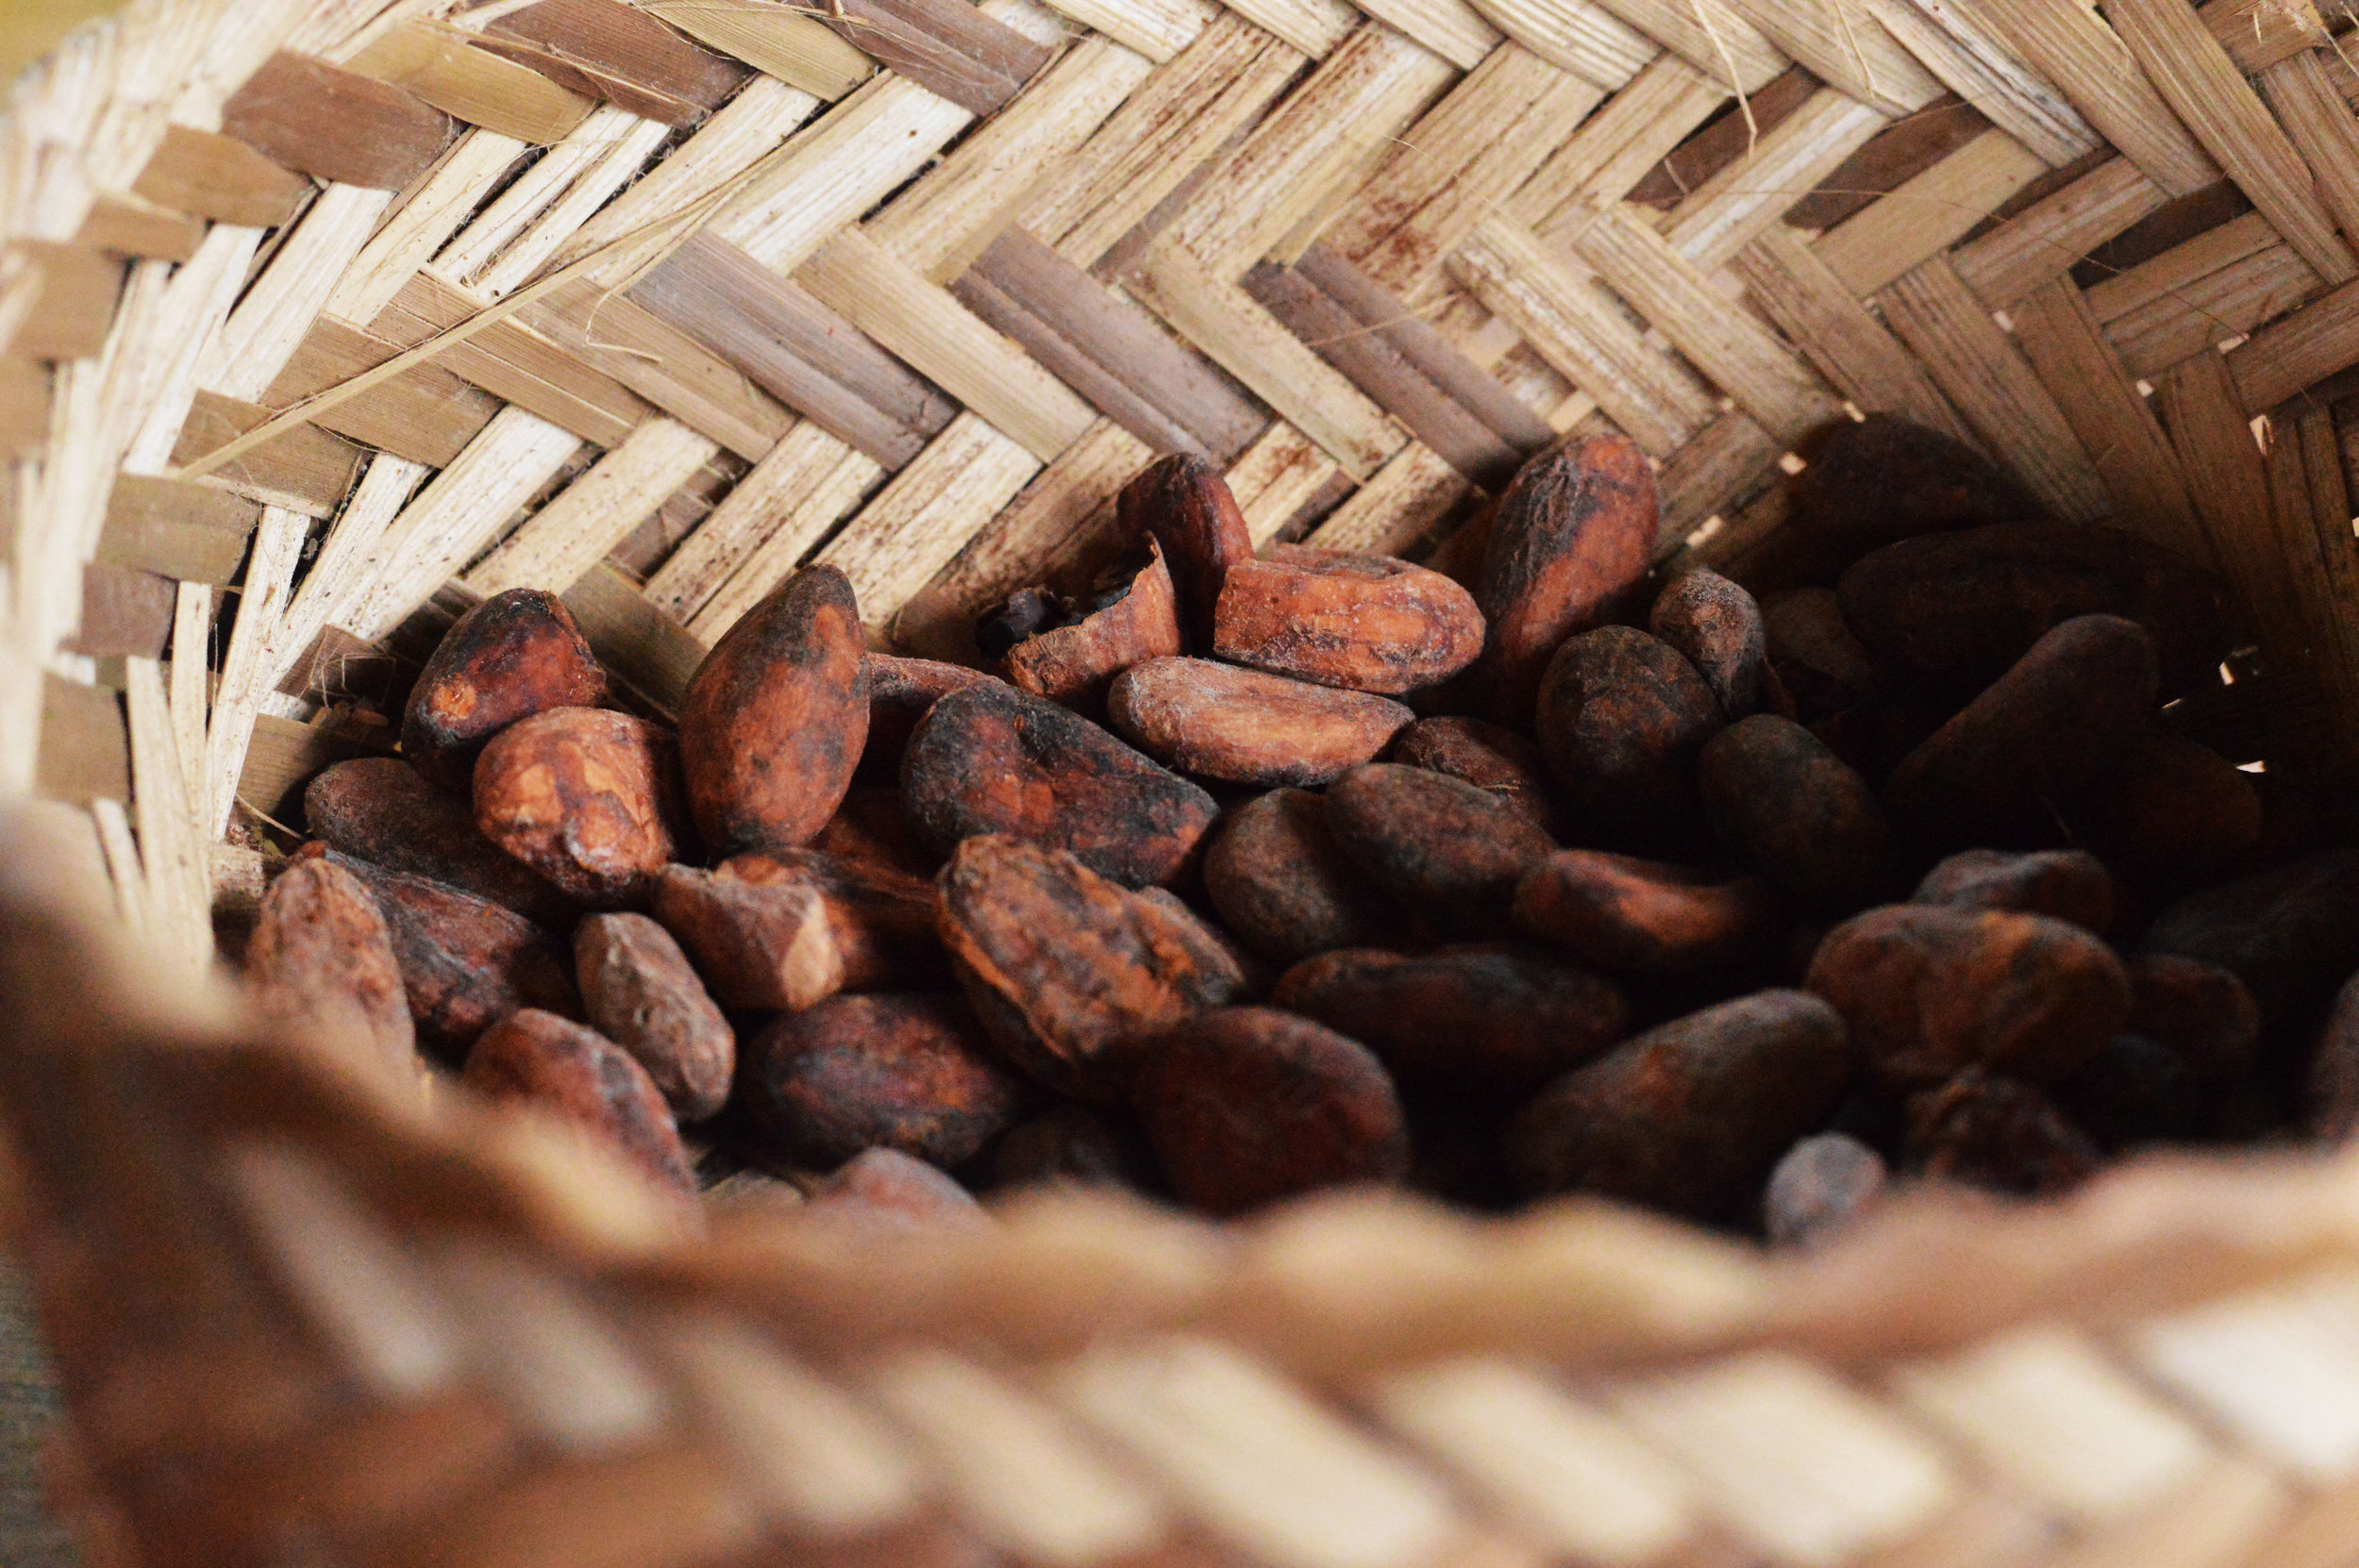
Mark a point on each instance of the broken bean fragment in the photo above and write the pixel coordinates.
(381, 810)
(1068, 970)
(1622, 718)
(1929, 991)
(1074, 664)
(884, 923)
(1490, 757)
(320, 966)
(1283, 883)
(1689, 1116)
(776, 719)
(1798, 815)
(1245, 728)
(2071, 885)
(764, 947)
(1248, 1106)
(1643, 917)
(581, 1075)
(1484, 1020)
(1718, 627)
(993, 759)
(588, 799)
(1365, 622)
(514, 654)
(1183, 505)
(910, 1072)
(639, 990)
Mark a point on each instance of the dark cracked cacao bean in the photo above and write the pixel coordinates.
(514, 654)
(993, 759)
(1453, 852)
(776, 719)
(911, 1072)
(900, 692)
(1799, 815)
(1622, 718)
(1718, 627)
(1490, 757)
(1183, 506)
(1875, 482)
(885, 923)
(1074, 664)
(1277, 876)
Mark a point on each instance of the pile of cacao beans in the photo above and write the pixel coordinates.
(1244, 873)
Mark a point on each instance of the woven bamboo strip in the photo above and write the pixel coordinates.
(1728, 212)
(1718, 42)
(918, 521)
(1960, 47)
(1397, 509)
(1615, 147)
(798, 50)
(2047, 240)
(1929, 214)
(1846, 47)
(2230, 486)
(2077, 51)
(471, 84)
(596, 512)
(1576, 36)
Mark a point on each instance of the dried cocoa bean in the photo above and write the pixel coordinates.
(1718, 628)
(1075, 1145)
(1490, 757)
(884, 923)
(319, 965)
(1247, 727)
(776, 719)
(2330, 1097)
(514, 654)
(909, 1072)
(2069, 885)
(871, 827)
(2135, 1091)
(882, 1192)
(639, 990)
(588, 799)
(2291, 935)
(1183, 506)
(1449, 849)
(1643, 917)
(1622, 718)
(1998, 1133)
(993, 759)
(1497, 1018)
(2174, 815)
(1248, 1106)
(1074, 664)
(900, 692)
(1815, 655)
(1365, 622)
(379, 810)
(1798, 815)
(1573, 532)
(1691, 1115)
(2200, 1011)
(466, 963)
(1257, 976)
(2051, 728)
(581, 1075)
(1961, 609)
(1284, 884)
(1873, 483)
(765, 947)
(1067, 969)
(1929, 991)
(1821, 1185)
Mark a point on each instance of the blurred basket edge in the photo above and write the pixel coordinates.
(299, 1324)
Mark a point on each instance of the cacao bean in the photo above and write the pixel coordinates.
(1815, 655)
(2071, 885)
(885, 923)
(379, 810)
(1490, 757)
(2330, 1099)
(761, 947)
(885, 1193)
(1999, 1134)
(1077, 1146)
(1365, 622)
(1717, 627)
(1643, 917)
(1448, 848)
(1878, 481)
(2200, 1011)
(514, 654)
(1284, 884)
(551, 1061)
(320, 966)
(1622, 718)
(1246, 727)
(2173, 816)
(588, 799)
(1798, 815)
(1184, 506)
(2291, 935)
(910, 1072)
(900, 692)
(639, 990)
(1074, 664)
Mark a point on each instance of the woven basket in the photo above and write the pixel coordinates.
(294, 305)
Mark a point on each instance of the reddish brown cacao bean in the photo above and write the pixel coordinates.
(2174, 815)
(1691, 1115)
(2049, 730)
(466, 963)
(639, 990)
(1815, 655)
(885, 923)
(514, 654)
(1246, 727)
(872, 827)
(1574, 532)
(2200, 1011)
(1490, 757)
(319, 965)
(1248, 1106)
(2291, 935)
(1821, 1185)
(1798, 815)
(1482, 1020)
(1998, 1133)
(1284, 884)
(1622, 718)
(1643, 917)
(776, 719)
(2069, 885)
(1453, 851)
(884, 1191)
(1183, 506)
(1875, 482)
(908, 1071)
(1074, 664)
(993, 759)
(1067, 969)
(900, 690)
(1367, 622)
(1929, 991)
(581, 1075)
(1959, 609)
(755, 946)
(1718, 628)
(379, 810)
(588, 798)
